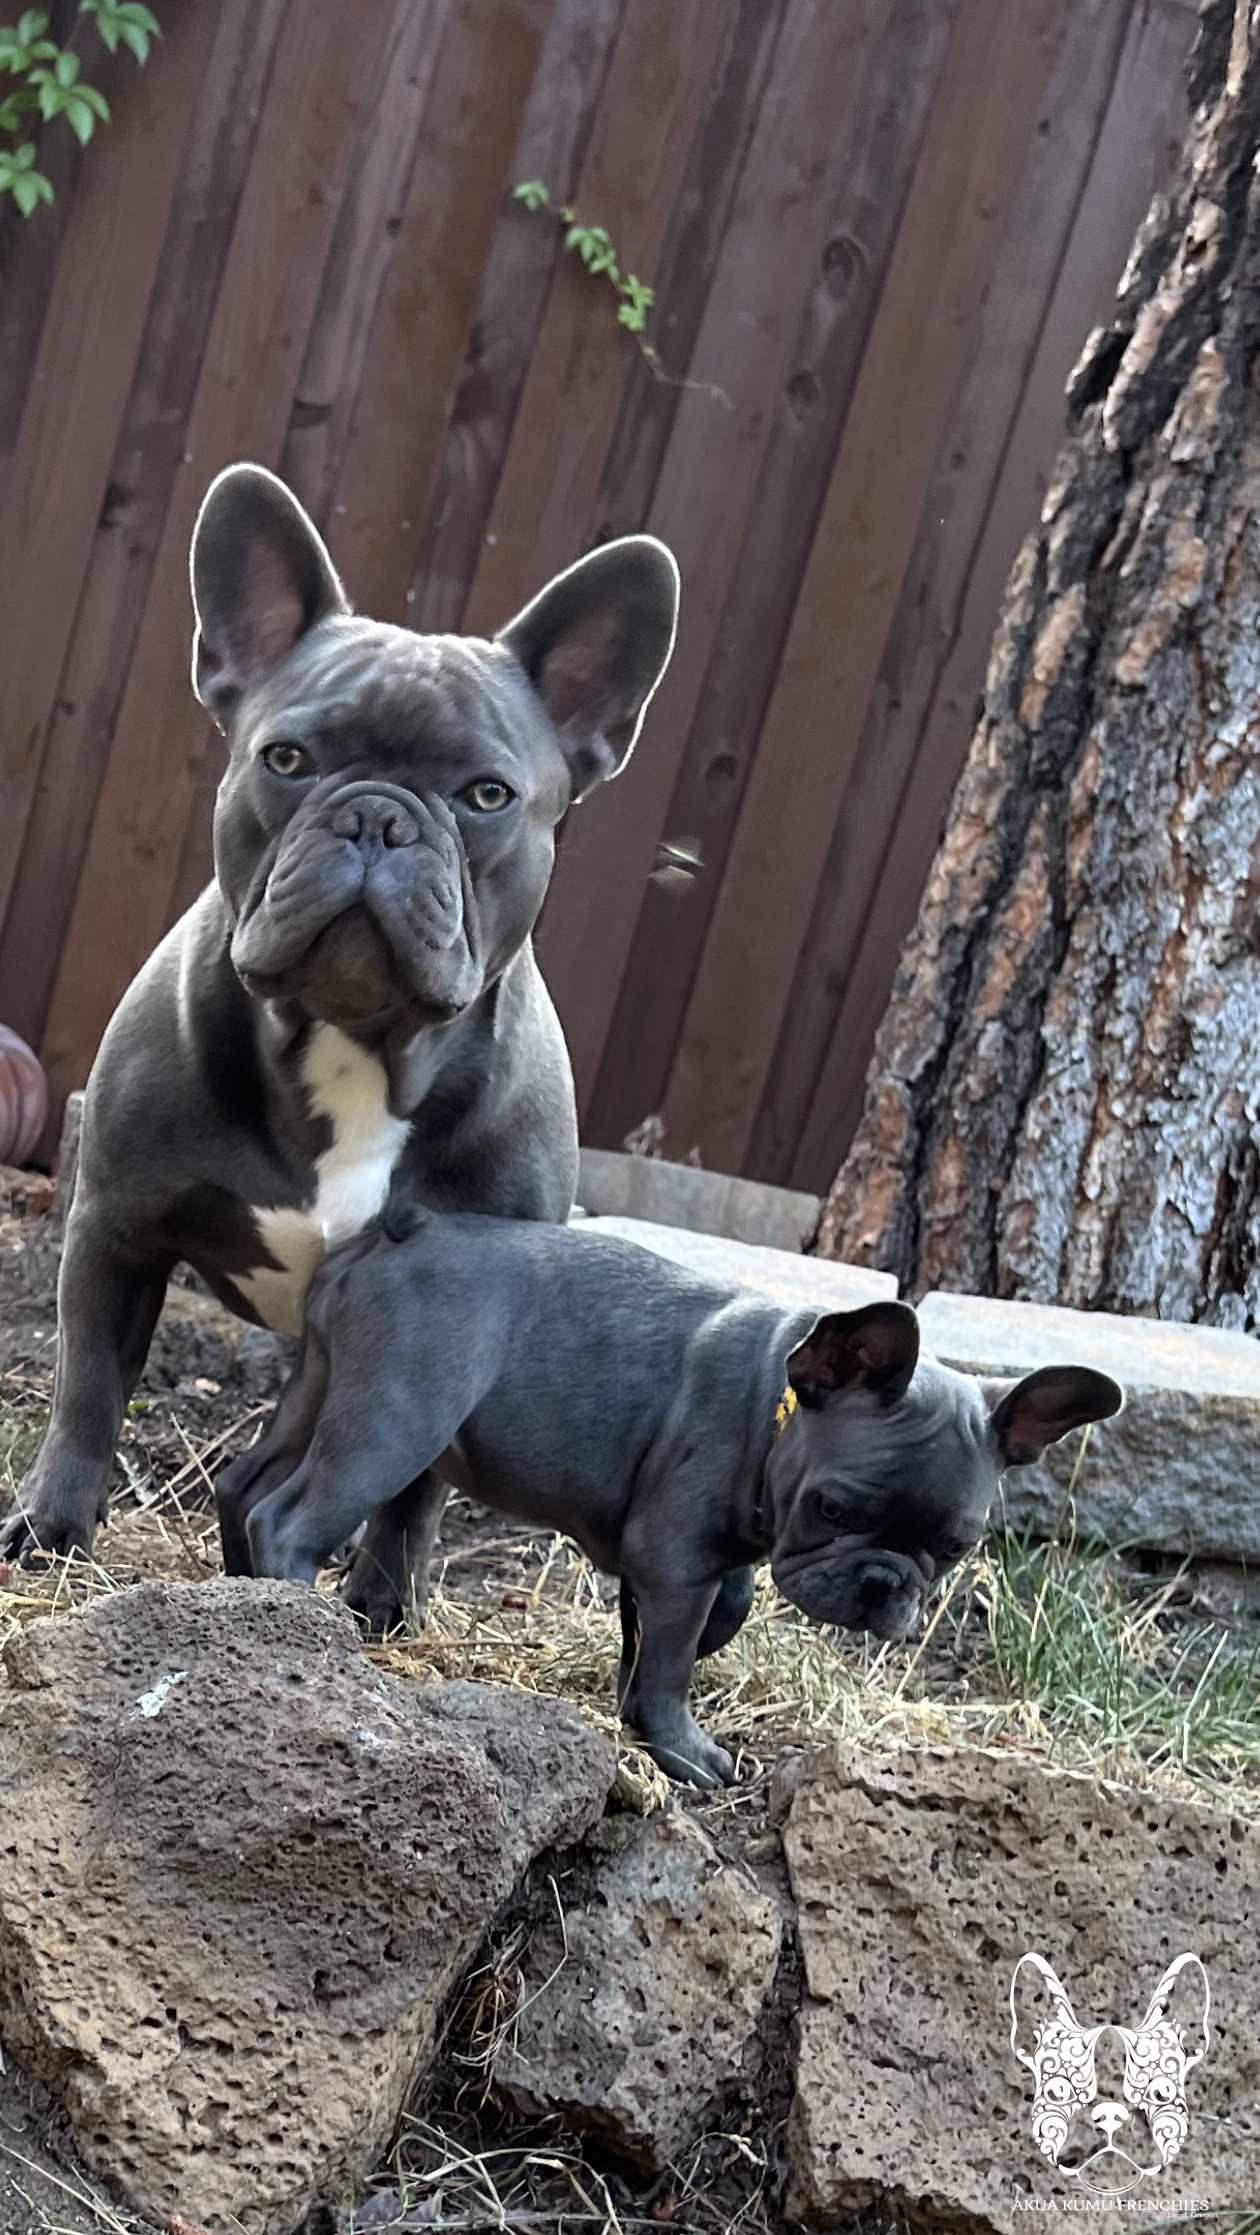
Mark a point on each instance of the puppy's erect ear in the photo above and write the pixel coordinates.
(261, 578)
(595, 644)
(1027, 1415)
(876, 1347)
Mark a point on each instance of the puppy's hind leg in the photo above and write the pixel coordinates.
(257, 1472)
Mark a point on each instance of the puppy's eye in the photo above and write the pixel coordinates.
(487, 795)
(831, 1510)
(284, 759)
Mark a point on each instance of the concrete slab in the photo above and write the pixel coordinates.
(813, 1283)
(612, 1184)
(993, 1336)
(1178, 1470)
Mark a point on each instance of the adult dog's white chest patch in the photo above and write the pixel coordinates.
(346, 1085)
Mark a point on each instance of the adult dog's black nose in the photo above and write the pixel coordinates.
(372, 818)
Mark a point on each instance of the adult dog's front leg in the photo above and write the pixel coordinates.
(107, 1309)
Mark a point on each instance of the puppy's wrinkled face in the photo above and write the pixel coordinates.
(385, 830)
(883, 1477)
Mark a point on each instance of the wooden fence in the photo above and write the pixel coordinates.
(878, 232)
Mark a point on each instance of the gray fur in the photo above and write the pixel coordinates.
(589, 1386)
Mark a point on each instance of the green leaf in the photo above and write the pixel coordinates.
(66, 69)
(633, 317)
(533, 193)
(109, 33)
(132, 11)
(31, 25)
(96, 101)
(80, 119)
(136, 37)
(28, 188)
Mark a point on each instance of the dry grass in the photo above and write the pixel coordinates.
(1042, 1647)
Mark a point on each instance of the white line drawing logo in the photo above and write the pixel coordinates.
(1094, 2085)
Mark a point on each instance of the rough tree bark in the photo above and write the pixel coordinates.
(1062, 1103)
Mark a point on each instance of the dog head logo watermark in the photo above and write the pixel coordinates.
(1109, 2101)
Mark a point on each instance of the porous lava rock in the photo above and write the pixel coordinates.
(240, 1871)
(642, 2003)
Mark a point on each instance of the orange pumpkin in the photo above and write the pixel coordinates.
(23, 1098)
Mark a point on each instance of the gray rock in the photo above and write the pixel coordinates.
(920, 1879)
(1176, 1470)
(644, 2009)
(240, 1871)
(615, 1185)
(813, 1283)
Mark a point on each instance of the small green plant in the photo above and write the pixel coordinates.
(46, 81)
(593, 244)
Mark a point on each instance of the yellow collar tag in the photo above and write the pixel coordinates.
(784, 1410)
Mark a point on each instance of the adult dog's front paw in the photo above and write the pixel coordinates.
(30, 1532)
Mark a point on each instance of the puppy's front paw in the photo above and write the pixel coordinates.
(690, 1758)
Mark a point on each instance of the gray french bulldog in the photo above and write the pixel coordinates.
(351, 1013)
(679, 1430)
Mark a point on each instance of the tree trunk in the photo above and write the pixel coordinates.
(1062, 1102)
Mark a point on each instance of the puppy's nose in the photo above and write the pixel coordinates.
(367, 821)
(877, 1584)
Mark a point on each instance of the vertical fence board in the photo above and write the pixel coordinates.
(365, 244)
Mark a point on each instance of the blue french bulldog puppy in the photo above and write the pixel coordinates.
(680, 1431)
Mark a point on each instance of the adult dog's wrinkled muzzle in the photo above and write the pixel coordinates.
(853, 1588)
(367, 910)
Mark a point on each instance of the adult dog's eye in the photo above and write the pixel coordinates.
(487, 795)
(284, 759)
